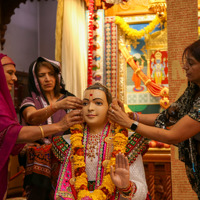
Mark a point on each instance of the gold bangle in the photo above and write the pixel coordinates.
(42, 131)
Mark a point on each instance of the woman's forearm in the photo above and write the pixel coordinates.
(148, 119)
(33, 133)
(181, 131)
(37, 117)
(158, 134)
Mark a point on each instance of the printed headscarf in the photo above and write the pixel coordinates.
(35, 91)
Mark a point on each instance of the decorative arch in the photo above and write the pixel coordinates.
(7, 8)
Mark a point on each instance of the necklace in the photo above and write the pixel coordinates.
(106, 189)
(92, 145)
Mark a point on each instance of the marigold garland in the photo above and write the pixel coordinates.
(133, 33)
(105, 190)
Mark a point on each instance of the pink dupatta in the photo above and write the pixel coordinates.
(9, 130)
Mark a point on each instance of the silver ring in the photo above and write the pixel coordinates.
(112, 111)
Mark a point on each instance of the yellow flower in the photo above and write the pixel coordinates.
(77, 143)
(77, 126)
(83, 193)
(133, 33)
(108, 184)
(81, 180)
(77, 136)
(78, 164)
(98, 195)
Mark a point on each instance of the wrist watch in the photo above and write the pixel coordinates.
(134, 125)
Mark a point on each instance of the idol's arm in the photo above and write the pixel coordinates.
(137, 176)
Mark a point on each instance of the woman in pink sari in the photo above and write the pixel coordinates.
(12, 134)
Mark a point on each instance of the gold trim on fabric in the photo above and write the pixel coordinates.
(58, 32)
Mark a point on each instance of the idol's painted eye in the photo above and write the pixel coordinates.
(99, 103)
(85, 103)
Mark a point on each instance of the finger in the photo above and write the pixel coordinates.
(73, 106)
(121, 105)
(75, 115)
(73, 100)
(116, 107)
(121, 160)
(75, 122)
(110, 117)
(114, 102)
(79, 105)
(117, 162)
(111, 111)
(126, 164)
(76, 118)
(75, 112)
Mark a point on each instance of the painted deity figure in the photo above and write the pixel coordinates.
(158, 73)
(135, 78)
(100, 160)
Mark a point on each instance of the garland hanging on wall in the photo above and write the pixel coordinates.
(135, 34)
(90, 39)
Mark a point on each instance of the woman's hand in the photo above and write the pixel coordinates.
(70, 119)
(117, 114)
(70, 102)
(121, 175)
(121, 105)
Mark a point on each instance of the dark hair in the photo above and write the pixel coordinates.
(99, 86)
(193, 49)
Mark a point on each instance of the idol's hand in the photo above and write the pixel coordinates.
(120, 176)
(70, 102)
(70, 119)
(116, 114)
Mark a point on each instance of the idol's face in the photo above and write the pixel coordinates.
(95, 107)
(192, 69)
(46, 78)
(9, 70)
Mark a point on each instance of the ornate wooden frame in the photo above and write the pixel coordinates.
(122, 70)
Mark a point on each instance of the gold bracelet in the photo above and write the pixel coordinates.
(128, 192)
(42, 131)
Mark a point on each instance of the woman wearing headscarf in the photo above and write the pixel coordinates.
(11, 132)
(48, 101)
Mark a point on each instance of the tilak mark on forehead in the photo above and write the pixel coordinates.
(90, 97)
